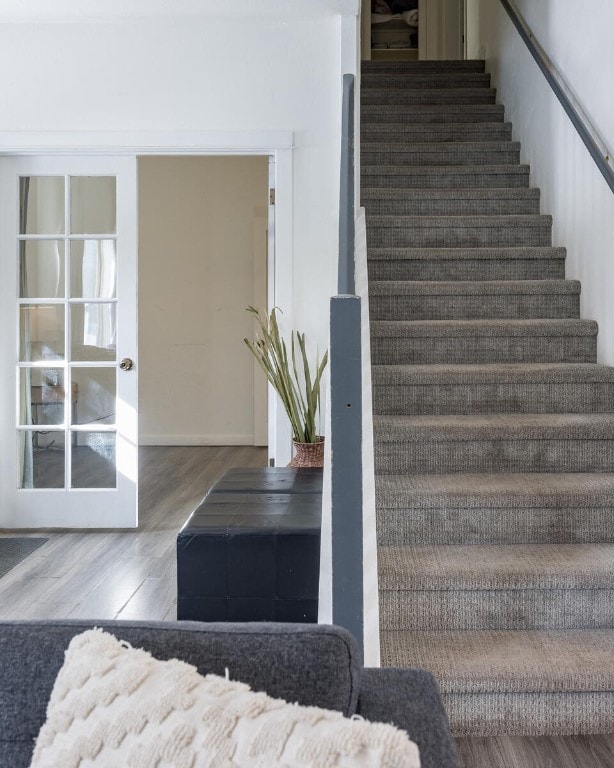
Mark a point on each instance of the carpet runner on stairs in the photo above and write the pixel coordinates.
(494, 424)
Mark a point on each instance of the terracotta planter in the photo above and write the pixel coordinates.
(308, 454)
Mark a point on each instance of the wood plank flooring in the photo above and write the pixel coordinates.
(131, 575)
(116, 574)
(537, 752)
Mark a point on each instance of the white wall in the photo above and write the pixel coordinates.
(196, 66)
(578, 40)
(196, 222)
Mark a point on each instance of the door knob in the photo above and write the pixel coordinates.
(127, 364)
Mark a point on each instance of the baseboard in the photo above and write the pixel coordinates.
(196, 439)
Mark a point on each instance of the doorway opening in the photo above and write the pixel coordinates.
(203, 232)
(73, 158)
(412, 30)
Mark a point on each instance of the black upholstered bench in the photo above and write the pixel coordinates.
(251, 550)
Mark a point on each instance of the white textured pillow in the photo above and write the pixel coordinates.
(113, 706)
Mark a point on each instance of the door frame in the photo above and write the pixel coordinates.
(278, 145)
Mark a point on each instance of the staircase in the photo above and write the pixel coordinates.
(494, 425)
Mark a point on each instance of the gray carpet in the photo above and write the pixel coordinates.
(15, 549)
(493, 426)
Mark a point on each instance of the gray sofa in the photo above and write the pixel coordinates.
(311, 664)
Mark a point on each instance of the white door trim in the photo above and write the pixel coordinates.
(278, 144)
(145, 142)
(260, 265)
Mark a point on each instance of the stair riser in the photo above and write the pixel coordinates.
(513, 609)
(401, 456)
(481, 349)
(435, 132)
(393, 96)
(474, 307)
(532, 397)
(467, 269)
(389, 80)
(442, 178)
(457, 237)
(432, 113)
(420, 67)
(490, 525)
(527, 714)
(449, 207)
(453, 156)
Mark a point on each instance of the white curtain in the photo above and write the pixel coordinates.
(98, 281)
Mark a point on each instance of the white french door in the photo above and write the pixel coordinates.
(68, 334)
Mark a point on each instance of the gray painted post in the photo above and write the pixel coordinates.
(346, 469)
(345, 278)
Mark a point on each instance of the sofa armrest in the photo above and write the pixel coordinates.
(409, 699)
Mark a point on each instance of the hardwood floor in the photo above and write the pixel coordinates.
(131, 575)
(537, 752)
(116, 574)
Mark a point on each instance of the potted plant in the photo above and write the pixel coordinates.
(297, 389)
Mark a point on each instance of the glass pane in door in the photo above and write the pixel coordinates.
(93, 269)
(93, 460)
(41, 332)
(93, 208)
(94, 394)
(41, 459)
(93, 332)
(41, 396)
(41, 205)
(41, 269)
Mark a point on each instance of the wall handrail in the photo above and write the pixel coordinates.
(593, 141)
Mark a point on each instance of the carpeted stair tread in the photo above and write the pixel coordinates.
(445, 176)
(507, 661)
(469, 230)
(431, 96)
(495, 131)
(499, 491)
(442, 153)
(496, 567)
(433, 147)
(427, 113)
(493, 388)
(506, 443)
(459, 222)
(487, 328)
(468, 254)
(471, 287)
(434, 170)
(499, 508)
(494, 263)
(457, 79)
(435, 65)
(415, 342)
(438, 300)
(547, 373)
(450, 202)
(497, 426)
(415, 195)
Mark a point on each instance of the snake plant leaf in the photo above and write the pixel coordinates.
(289, 374)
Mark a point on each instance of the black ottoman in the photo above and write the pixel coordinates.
(251, 550)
